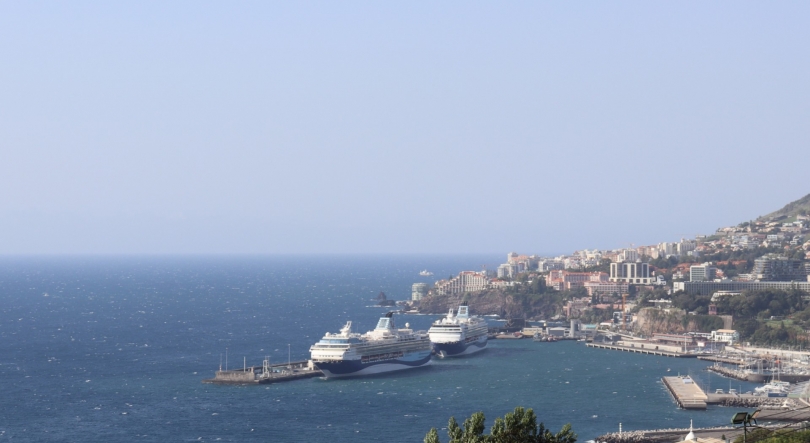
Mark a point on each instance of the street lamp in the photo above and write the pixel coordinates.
(744, 418)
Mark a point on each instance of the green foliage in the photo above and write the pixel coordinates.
(664, 262)
(596, 315)
(519, 426)
(780, 436)
(753, 309)
(763, 304)
(533, 284)
(689, 303)
(704, 323)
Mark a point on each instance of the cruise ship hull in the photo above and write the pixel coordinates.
(459, 348)
(353, 368)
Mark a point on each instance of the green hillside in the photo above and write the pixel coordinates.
(792, 209)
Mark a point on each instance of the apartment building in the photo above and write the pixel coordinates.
(566, 280)
(632, 273)
(778, 268)
(465, 281)
(709, 287)
(419, 291)
(704, 272)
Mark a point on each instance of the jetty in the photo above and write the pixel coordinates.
(686, 392)
(726, 360)
(267, 373)
(751, 401)
(756, 377)
(640, 350)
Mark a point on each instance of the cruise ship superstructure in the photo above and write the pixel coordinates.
(458, 334)
(384, 349)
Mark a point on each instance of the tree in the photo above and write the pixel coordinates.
(519, 426)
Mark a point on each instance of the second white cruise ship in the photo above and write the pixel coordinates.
(384, 349)
(460, 334)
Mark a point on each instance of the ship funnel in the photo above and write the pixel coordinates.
(463, 311)
(386, 322)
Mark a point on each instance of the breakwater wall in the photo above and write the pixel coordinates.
(666, 435)
(736, 374)
(755, 377)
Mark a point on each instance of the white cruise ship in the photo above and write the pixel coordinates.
(384, 349)
(459, 334)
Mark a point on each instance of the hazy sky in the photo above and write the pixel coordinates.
(384, 127)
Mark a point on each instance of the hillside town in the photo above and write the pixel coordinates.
(740, 283)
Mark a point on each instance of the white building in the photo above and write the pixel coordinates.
(628, 255)
(418, 291)
(704, 272)
(632, 273)
(729, 336)
(465, 281)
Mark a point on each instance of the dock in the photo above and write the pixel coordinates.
(686, 392)
(640, 350)
(728, 361)
(265, 374)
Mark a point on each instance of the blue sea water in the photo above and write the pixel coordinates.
(114, 349)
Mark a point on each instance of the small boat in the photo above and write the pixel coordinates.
(515, 335)
(425, 273)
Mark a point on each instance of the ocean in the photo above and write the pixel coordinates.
(114, 349)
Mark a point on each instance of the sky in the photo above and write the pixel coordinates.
(446, 127)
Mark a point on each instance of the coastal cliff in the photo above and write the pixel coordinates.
(674, 321)
(497, 302)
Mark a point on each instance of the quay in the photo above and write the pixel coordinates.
(686, 392)
(640, 350)
(728, 361)
(266, 373)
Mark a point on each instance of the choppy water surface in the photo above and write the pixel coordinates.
(114, 349)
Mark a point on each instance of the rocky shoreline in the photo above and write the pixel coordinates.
(495, 302)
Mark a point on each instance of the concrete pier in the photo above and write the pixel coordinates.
(686, 392)
(265, 374)
(640, 350)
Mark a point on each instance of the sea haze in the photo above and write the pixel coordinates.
(114, 349)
